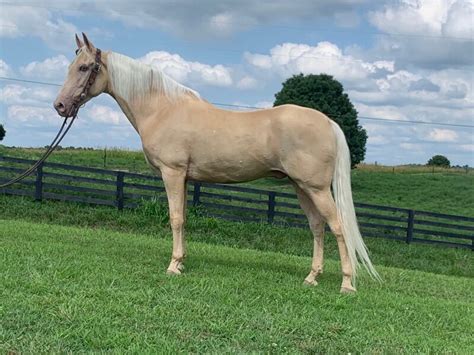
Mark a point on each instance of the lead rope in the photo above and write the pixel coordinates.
(54, 144)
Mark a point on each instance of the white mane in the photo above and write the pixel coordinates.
(131, 79)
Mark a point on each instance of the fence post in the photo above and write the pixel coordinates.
(196, 194)
(411, 222)
(119, 191)
(39, 183)
(271, 206)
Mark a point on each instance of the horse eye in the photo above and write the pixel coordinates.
(84, 68)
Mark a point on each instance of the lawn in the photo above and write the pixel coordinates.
(70, 289)
(151, 219)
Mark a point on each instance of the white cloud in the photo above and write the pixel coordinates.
(434, 33)
(31, 116)
(247, 82)
(442, 135)
(24, 95)
(377, 140)
(459, 21)
(412, 17)
(106, 114)
(54, 68)
(22, 20)
(5, 69)
(382, 111)
(467, 147)
(411, 146)
(210, 18)
(185, 71)
(291, 58)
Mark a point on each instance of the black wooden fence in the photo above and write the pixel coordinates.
(122, 189)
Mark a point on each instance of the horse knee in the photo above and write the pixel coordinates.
(176, 222)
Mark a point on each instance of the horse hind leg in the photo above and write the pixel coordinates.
(324, 203)
(316, 224)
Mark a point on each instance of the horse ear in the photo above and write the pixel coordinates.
(88, 43)
(79, 43)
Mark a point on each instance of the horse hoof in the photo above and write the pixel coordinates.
(347, 290)
(173, 272)
(310, 282)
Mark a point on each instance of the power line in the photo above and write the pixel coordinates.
(29, 81)
(366, 117)
(251, 23)
(261, 108)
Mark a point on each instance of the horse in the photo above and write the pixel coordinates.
(184, 137)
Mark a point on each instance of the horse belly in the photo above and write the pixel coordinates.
(227, 168)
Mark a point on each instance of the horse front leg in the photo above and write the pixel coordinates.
(175, 185)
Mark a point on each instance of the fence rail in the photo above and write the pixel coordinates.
(121, 189)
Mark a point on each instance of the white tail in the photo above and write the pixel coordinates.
(341, 185)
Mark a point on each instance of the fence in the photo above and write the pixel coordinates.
(122, 189)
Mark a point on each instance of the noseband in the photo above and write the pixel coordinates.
(61, 134)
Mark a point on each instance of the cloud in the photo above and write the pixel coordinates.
(411, 146)
(5, 69)
(190, 72)
(467, 147)
(292, 58)
(54, 68)
(22, 20)
(434, 34)
(247, 82)
(105, 114)
(208, 18)
(423, 85)
(31, 116)
(442, 135)
(14, 94)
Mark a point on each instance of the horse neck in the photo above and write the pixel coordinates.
(138, 112)
(152, 104)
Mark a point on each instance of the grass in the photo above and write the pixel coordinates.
(69, 289)
(448, 191)
(152, 219)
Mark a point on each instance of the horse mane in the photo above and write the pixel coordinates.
(132, 79)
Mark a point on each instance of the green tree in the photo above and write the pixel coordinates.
(439, 160)
(324, 93)
(2, 132)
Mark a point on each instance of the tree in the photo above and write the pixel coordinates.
(324, 93)
(2, 132)
(439, 160)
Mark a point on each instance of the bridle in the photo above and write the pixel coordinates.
(65, 126)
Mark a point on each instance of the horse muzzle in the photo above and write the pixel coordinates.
(66, 108)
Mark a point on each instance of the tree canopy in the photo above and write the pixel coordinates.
(2, 132)
(439, 160)
(324, 93)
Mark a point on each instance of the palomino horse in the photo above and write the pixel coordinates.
(185, 137)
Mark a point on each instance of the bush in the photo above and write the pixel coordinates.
(2, 132)
(439, 160)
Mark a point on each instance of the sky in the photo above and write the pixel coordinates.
(403, 60)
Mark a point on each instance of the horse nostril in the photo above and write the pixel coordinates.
(59, 106)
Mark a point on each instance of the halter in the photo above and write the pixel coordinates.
(61, 134)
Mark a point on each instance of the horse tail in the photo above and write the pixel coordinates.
(341, 185)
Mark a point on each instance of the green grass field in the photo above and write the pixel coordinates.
(69, 289)
(81, 278)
